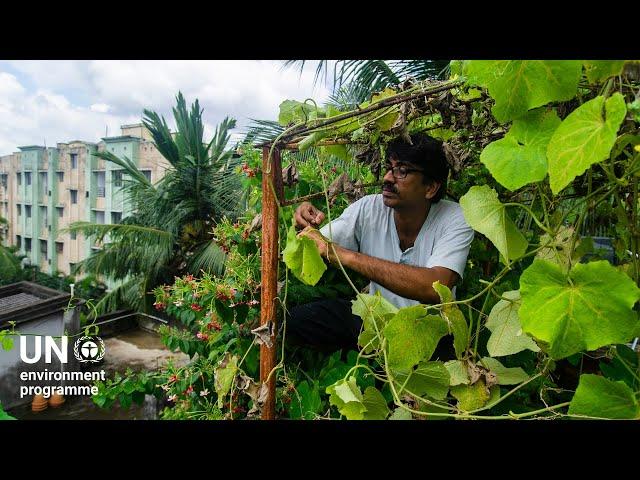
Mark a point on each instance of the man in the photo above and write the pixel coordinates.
(402, 240)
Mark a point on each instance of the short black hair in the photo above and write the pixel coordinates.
(427, 154)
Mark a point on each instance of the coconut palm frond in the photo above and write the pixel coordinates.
(209, 258)
(129, 293)
(260, 131)
(126, 164)
(217, 148)
(162, 137)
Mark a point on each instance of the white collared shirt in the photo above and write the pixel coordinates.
(368, 226)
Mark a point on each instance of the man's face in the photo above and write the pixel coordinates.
(408, 192)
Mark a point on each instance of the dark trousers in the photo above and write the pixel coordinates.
(325, 325)
(329, 325)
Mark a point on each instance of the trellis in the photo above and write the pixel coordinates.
(273, 198)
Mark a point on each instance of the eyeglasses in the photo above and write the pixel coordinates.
(400, 171)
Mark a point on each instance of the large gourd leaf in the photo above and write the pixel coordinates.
(585, 137)
(484, 213)
(520, 85)
(590, 307)
(520, 157)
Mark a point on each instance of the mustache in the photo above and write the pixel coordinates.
(389, 186)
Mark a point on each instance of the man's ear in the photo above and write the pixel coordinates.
(432, 190)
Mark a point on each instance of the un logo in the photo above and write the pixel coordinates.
(89, 349)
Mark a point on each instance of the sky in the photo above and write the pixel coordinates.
(49, 101)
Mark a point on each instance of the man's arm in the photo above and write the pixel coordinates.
(405, 280)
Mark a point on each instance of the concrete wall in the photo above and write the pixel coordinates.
(11, 365)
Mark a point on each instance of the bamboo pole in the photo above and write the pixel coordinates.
(272, 193)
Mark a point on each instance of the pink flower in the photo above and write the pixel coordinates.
(204, 392)
(202, 336)
(189, 390)
(215, 325)
(160, 306)
(173, 398)
(195, 307)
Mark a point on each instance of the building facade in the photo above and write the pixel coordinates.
(44, 189)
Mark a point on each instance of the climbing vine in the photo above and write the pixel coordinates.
(541, 153)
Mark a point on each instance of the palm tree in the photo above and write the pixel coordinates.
(169, 233)
(355, 80)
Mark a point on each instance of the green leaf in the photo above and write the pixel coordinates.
(224, 376)
(368, 340)
(375, 404)
(412, 336)
(306, 403)
(310, 140)
(4, 415)
(471, 397)
(507, 337)
(599, 397)
(339, 151)
(7, 342)
(302, 257)
(430, 378)
(584, 310)
(484, 213)
(585, 137)
(558, 248)
(520, 85)
(373, 309)
(346, 396)
(292, 111)
(520, 157)
(386, 121)
(401, 414)
(506, 376)
(455, 319)
(599, 70)
(457, 372)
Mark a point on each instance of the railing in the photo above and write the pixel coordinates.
(100, 191)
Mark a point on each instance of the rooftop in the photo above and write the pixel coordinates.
(24, 301)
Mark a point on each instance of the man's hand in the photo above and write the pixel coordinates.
(308, 215)
(316, 236)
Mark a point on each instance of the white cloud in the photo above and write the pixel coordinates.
(67, 100)
(100, 107)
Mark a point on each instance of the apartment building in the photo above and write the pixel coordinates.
(43, 190)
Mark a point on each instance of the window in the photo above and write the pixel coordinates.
(27, 244)
(61, 176)
(19, 177)
(74, 196)
(27, 178)
(74, 160)
(43, 217)
(73, 235)
(3, 180)
(147, 173)
(100, 183)
(19, 210)
(116, 217)
(43, 249)
(71, 267)
(116, 178)
(59, 247)
(60, 211)
(100, 217)
(27, 210)
(44, 187)
(18, 241)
